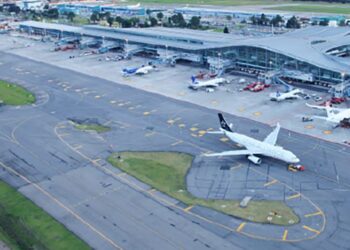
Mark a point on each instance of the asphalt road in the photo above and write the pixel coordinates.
(64, 170)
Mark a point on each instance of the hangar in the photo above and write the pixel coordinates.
(315, 55)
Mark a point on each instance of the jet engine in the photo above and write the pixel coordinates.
(254, 159)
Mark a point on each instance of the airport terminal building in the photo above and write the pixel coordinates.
(315, 55)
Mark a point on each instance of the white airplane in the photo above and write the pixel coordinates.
(293, 94)
(134, 6)
(145, 70)
(254, 147)
(334, 115)
(212, 83)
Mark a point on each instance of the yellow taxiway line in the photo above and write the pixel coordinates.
(240, 227)
(270, 183)
(188, 208)
(293, 196)
(313, 214)
(311, 229)
(285, 234)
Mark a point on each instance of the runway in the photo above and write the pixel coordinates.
(64, 170)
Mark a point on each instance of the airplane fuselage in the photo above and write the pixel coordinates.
(265, 149)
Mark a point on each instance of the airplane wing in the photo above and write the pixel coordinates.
(316, 106)
(231, 153)
(272, 137)
(320, 118)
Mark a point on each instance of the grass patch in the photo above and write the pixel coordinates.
(329, 8)
(218, 30)
(166, 172)
(23, 225)
(12, 94)
(92, 127)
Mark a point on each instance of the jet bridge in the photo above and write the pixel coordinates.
(219, 65)
(341, 89)
(108, 45)
(68, 40)
(89, 43)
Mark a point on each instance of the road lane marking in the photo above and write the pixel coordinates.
(309, 126)
(311, 229)
(149, 134)
(223, 139)
(313, 214)
(285, 234)
(270, 183)
(293, 196)
(78, 147)
(193, 129)
(64, 134)
(146, 113)
(187, 209)
(240, 227)
(177, 142)
(202, 132)
(96, 160)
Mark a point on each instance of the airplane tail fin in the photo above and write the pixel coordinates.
(193, 79)
(223, 123)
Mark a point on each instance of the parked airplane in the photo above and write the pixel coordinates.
(138, 71)
(254, 147)
(334, 115)
(145, 69)
(134, 6)
(278, 96)
(212, 83)
(129, 71)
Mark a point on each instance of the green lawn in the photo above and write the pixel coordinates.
(92, 127)
(166, 172)
(12, 94)
(329, 8)
(23, 225)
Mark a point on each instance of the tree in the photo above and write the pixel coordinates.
(95, 17)
(277, 21)
(126, 23)
(253, 19)
(324, 22)
(71, 16)
(263, 20)
(119, 19)
(160, 16)
(342, 23)
(107, 15)
(110, 21)
(178, 20)
(53, 13)
(226, 31)
(14, 9)
(135, 21)
(293, 23)
(148, 12)
(195, 22)
(153, 21)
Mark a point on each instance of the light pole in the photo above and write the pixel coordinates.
(342, 83)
